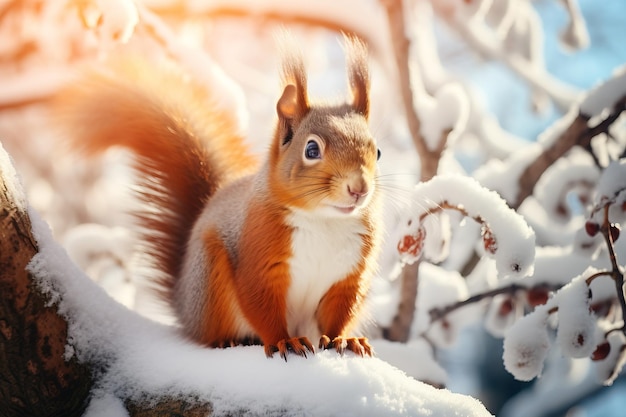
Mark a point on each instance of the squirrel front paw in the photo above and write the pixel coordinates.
(358, 345)
(297, 345)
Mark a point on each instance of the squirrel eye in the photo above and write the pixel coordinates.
(312, 150)
(378, 154)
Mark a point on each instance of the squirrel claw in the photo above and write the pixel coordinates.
(358, 345)
(297, 345)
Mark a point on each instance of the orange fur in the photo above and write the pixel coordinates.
(263, 276)
(224, 233)
(222, 296)
(186, 147)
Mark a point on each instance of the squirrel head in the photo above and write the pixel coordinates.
(324, 158)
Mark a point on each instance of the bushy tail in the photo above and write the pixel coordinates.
(185, 148)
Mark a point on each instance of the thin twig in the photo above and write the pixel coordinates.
(438, 313)
(616, 273)
(599, 274)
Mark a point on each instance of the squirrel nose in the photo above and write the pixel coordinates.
(357, 190)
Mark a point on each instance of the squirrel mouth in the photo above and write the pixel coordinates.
(345, 210)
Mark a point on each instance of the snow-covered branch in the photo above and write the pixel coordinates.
(505, 234)
(508, 31)
(594, 115)
(583, 329)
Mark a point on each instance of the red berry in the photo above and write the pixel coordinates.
(603, 308)
(614, 230)
(506, 307)
(413, 244)
(537, 296)
(601, 352)
(592, 228)
(489, 241)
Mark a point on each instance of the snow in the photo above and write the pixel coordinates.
(605, 95)
(104, 253)
(104, 404)
(503, 176)
(612, 182)
(447, 111)
(146, 358)
(416, 358)
(526, 345)
(565, 175)
(577, 326)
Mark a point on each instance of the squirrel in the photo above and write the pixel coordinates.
(280, 252)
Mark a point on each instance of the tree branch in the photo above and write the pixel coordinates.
(578, 133)
(429, 160)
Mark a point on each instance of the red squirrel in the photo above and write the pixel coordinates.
(283, 252)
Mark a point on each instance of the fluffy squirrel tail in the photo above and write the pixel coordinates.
(185, 148)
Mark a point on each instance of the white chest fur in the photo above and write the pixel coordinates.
(325, 251)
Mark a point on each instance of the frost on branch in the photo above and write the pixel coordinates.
(506, 236)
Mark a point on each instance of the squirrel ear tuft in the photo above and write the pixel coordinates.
(294, 102)
(358, 74)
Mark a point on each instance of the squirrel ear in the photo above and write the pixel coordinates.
(358, 74)
(291, 107)
(293, 104)
(287, 106)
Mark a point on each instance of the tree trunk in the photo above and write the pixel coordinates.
(35, 380)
